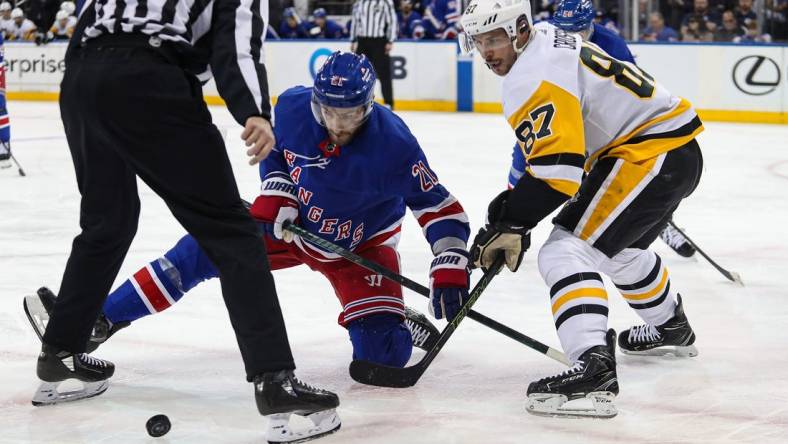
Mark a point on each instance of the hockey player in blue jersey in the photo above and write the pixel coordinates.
(409, 21)
(5, 125)
(292, 27)
(577, 16)
(345, 169)
(441, 18)
(323, 28)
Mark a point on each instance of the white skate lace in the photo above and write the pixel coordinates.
(644, 333)
(672, 237)
(418, 333)
(305, 385)
(90, 360)
(570, 371)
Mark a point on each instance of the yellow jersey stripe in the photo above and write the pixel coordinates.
(626, 179)
(579, 293)
(651, 293)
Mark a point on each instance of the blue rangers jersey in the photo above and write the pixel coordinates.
(612, 44)
(355, 195)
(331, 30)
(5, 125)
(442, 17)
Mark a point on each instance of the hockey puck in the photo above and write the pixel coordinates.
(158, 425)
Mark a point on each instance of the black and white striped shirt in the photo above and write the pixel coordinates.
(220, 38)
(374, 18)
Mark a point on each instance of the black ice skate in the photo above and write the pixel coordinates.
(55, 366)
(280, 394)
(593, 377)
(38, 307)
(677, 241)
(424, 334)
(674, 337)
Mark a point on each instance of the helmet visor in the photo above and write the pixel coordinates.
(487, 41)
(342, 123)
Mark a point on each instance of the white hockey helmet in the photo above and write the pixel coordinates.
(486, 15)
(17, 13)
(5, 6)
(61, 15)
(69, 7)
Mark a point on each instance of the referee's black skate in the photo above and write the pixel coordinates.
(674, 337)
(593, 377)
(280, 394)
(56, 366)
(422, 331)
(39, 306)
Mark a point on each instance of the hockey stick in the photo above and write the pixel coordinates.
(730, 275)
(21, 171)
(424, 291)
(371, 373)
(7, 147)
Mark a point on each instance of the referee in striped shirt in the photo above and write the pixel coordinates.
(373, 30)
(132, 106)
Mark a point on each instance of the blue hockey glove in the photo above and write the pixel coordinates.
(449, 280)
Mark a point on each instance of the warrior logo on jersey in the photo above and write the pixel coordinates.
(337, 80)
(374, 280)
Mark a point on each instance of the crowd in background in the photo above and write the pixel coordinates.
(15, 25)
(659, 20)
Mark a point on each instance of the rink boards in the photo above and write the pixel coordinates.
(746, 83)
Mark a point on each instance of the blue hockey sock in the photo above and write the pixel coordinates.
(161, 283)
(381, 338)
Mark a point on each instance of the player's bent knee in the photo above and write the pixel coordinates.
(381, 338)
(564, 254)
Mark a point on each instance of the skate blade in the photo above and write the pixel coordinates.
(279, 431)
(548, 404)
(48, 393)
(36, 314)
(683, 351)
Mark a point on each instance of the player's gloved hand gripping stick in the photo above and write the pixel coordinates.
(424, 291)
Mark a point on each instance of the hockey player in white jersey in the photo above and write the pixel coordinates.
(605, 140)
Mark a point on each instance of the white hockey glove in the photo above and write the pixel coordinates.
(499, 236)
(275, 205)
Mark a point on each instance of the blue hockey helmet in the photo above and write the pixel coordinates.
(573, 15)
(289, 12)
(319, 13)
(345, 80)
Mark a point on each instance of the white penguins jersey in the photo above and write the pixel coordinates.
(570, 103)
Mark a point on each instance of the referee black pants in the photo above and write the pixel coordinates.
(375, 50)
(128, 112)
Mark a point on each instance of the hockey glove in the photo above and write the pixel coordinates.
(449, 280)
(500, 236)
(276, 204)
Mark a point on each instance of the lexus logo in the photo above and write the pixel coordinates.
(756, 75)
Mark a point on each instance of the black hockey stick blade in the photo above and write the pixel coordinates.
(371, 373)
(730, 275)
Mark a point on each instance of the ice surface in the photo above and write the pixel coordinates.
(185, 362)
